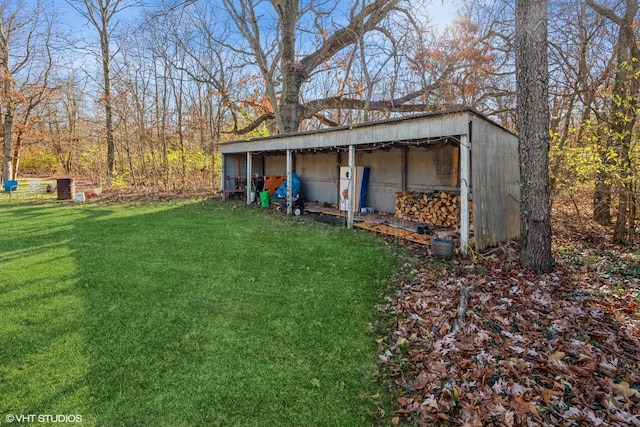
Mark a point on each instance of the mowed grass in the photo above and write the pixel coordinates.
(187, 313)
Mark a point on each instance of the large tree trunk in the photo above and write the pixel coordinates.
(15, 161)
(533, 127)
(292, 75)
(620, 230)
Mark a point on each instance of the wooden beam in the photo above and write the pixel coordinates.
(455, 166)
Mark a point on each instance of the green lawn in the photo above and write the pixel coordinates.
(187, 313)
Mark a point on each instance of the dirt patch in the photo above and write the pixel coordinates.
(150, 195)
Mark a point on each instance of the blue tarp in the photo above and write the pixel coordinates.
(295, 187)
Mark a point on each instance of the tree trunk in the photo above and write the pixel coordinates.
(602, 201)
(633, 208)
(624, 115)
(533, 127)
(292, 76)
(108, 108)
(620, 230)
(6, 109)
(7, 170)
(100, 13)
(15, 161)
(603, 192)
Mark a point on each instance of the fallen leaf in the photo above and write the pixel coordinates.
(623, 389)
(421, 381)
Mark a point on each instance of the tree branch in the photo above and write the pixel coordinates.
(462, 308)
(253, 125)
(325, 120)
(607, 13)
(348, 35)
(399, 104)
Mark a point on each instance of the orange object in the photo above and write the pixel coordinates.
(271, 183)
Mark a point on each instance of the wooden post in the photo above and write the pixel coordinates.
(403, 167)
(223, 178)
(455, 166)
(465, 175)
(249, 170)
(351, 190)
(289, 186)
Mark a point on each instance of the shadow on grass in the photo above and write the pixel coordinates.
(187, 314)
(41, 309)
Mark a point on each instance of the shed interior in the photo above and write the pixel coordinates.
(425, 168)
(413, 166)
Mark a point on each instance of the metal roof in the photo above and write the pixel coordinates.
(422, 127)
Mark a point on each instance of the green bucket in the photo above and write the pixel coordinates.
(264, 199)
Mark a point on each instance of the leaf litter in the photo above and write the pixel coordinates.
(560, 349)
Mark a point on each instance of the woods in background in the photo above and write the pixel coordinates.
(142, 96)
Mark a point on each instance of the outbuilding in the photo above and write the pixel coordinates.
(458, 152)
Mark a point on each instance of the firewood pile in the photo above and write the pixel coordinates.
(437, 208)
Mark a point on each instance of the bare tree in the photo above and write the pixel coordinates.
(303, 40)
(532, 77)
(101, 14)
(624, 113)
(34, 93)
(62, 115)
(25, 65)
(580, 65)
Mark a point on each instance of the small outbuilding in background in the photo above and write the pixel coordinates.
(454, 166)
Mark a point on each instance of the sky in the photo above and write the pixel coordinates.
(444, 14)
(441, 12)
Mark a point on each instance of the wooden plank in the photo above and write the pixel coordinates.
(424, 239)
(455, 166)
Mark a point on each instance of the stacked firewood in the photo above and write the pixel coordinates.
(439, 208)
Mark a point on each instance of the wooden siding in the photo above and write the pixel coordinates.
(430, 169)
